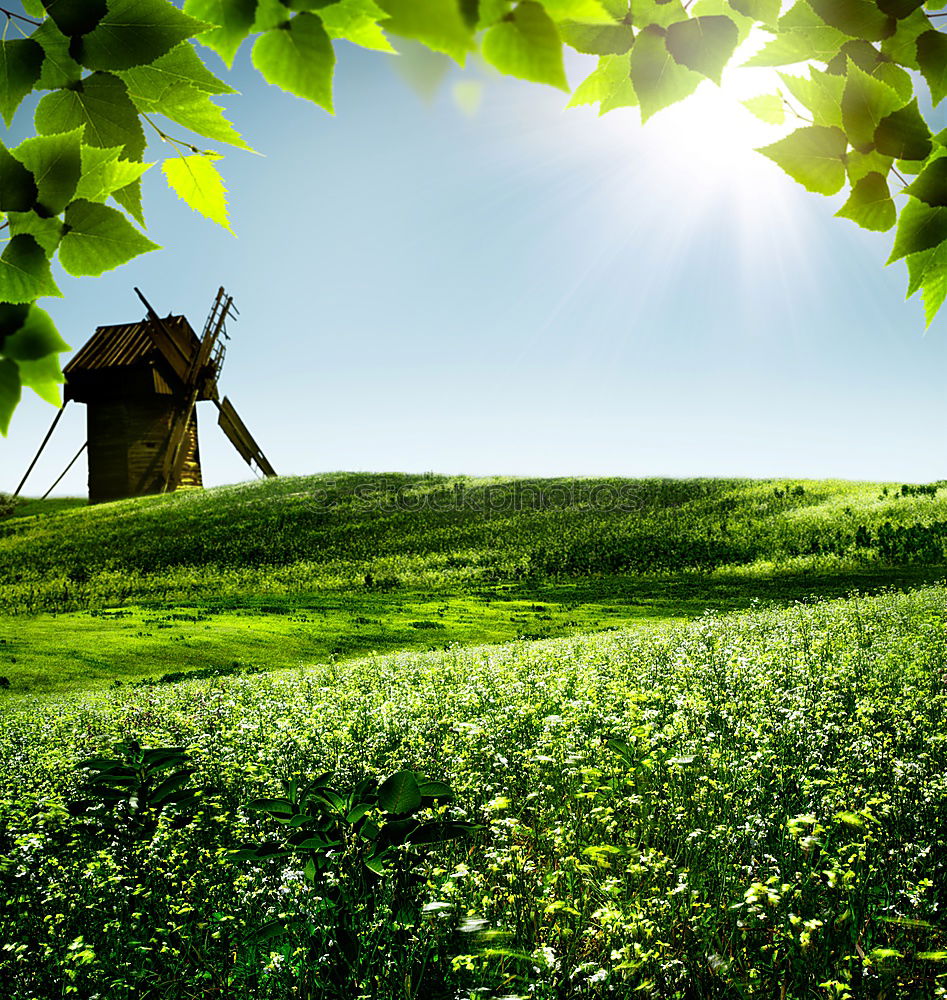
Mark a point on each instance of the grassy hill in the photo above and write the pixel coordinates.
(665, 803)
(287, 536)
(302, 570)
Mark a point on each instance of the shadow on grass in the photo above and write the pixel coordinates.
(686, 595)
(71, 652)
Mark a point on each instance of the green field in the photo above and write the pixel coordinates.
(698, 728)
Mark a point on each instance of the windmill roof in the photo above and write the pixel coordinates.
(129, 344)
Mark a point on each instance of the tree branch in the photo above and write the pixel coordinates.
(21, 17)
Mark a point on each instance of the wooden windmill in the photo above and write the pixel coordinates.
(141, 383)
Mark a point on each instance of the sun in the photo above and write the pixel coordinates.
(716, 137)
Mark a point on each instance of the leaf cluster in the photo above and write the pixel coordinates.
(107, 68)
(378, 824)
(128, 794)
(353, 844)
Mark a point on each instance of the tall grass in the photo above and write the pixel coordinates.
(746, 806)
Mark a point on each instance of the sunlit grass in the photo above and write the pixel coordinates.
(765, 789)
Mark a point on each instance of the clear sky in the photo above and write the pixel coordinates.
(525, 290)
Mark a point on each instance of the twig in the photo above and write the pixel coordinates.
(170, 138)
(793, 111)
(22, 17)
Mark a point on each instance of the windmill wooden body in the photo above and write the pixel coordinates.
(141, 383)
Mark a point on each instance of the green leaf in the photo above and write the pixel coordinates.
(195, 110)
(11, 319)
(611, 80)
(134, 32)
(901, 47)
(129, 197)
(21, 63)
(899, 80)
(865, 102)
(932, 59)
(658, 79)
(358, 812)
(863, 54)
(298, 58)
(44, 376)
(438, 24)
(858, 18)
(589, 11)
(821, 95)
(270, 14)
(813, 156)
(764, 11)
(927, 272)
(102, 106)
(656, 13)
(234, 20)
(802, 36)
(440, 833)
(400, 793)
(35, 339)
(899, 8)
(55, 163)
(930, 186)
(356, 21)
(767, 107)
(703, 44)
(904, 134)
(98, 239)
(912, 167)
(18, 191)
(182, 65)
(869, 205)
(722, 8)
(527, 45)
(25, 274)
(597, 39)
(275, 807)
(920, 227)
(857, 164)
(46, 231)
(104, 172)
(75, 17)
(485, 13)
(798, 46)
(435, 790)
(9, 392)
(59, 68)
(197, 181)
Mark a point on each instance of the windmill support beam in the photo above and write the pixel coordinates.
(64, 471)
(49, 434)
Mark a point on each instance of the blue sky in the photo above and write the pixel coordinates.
(526, 290)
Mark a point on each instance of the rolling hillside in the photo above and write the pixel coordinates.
(292, 536)
(633, 795)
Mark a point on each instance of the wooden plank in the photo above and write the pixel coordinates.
(179, 362)
(236, 430)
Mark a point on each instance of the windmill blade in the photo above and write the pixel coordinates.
(179, 361)
(196, 383)
(236, 430)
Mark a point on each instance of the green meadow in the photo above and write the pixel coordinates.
(457, 738)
